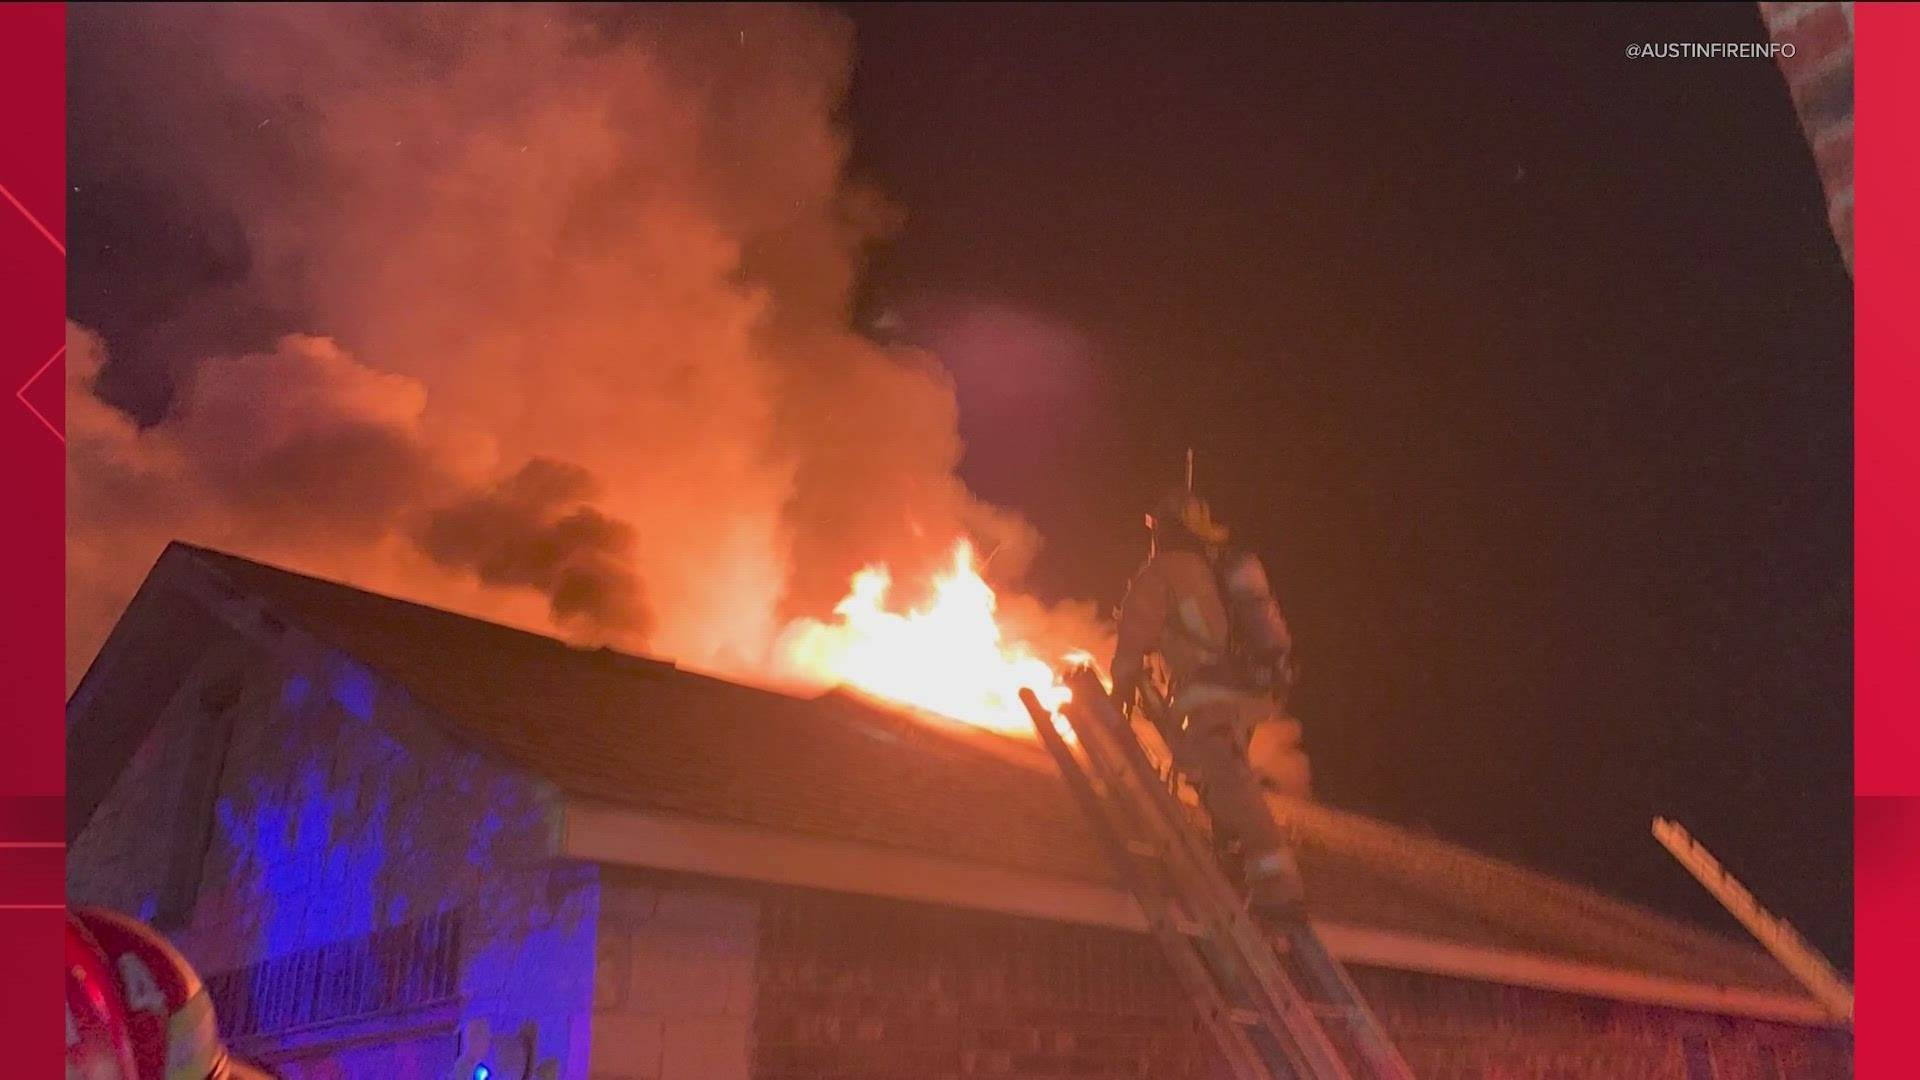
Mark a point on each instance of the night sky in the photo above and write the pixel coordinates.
(1525, 366)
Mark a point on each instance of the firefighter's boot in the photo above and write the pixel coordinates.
(1276, 894)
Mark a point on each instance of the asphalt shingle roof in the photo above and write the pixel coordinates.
(643, 733)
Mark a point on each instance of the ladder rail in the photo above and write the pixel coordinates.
(1242, 1056)
(1197, 871)
(1365, 1029)
(1254, 1004)
(1183, 951)
(1167, 812)
(1383, 1057)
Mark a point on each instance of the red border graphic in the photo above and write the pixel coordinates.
(33, 257)
(1886, 537)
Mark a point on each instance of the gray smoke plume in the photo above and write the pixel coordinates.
(306, 457)
(538, 529)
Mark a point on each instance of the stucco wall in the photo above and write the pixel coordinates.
(678, 979)
(342, 810)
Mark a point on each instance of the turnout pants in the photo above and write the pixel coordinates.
(1213, 751)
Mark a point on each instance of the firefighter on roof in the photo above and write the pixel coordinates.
(1205, 611)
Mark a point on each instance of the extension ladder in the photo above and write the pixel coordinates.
(1279, 1007)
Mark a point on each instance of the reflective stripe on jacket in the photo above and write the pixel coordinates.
(1173, 608)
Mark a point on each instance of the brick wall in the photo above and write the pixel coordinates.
(1819, 75)
(874, 990)
(853, 988)
(1450, 1029)
(342, 809)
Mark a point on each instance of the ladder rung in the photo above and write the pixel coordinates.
(1251, 1017)
(1242, 974)
(1183, 926)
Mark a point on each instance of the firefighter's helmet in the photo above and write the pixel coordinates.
(150, 994)
(1184, 510)
(98, 1045)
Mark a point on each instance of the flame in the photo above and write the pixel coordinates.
(949, 657)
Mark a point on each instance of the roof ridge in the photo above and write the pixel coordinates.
(201, 552)
(636, 661)
(828, 701)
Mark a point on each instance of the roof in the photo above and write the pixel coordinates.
(631, 731)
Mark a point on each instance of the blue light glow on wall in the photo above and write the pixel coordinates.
(352, 687)
(344, 829)
(311, 869)
(296, 691)
(480, 844)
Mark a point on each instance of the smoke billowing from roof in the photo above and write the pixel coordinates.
(574, 290)
(538, 529)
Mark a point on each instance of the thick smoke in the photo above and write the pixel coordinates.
(538, 529)
(306, 457)
(579, 285)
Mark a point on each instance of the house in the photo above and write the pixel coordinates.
(404, 843)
